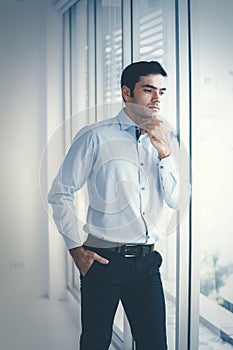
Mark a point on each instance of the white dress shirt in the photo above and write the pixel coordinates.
(127, 184)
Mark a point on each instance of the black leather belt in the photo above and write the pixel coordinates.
(133, 250)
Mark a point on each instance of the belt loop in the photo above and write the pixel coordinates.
(144, 250)
(119, 249)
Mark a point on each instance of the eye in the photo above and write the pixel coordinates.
(161, 92)
(148, 91)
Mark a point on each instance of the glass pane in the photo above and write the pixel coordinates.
(108, 71)
(79, 104)
(79, 65)
(108, 51)
(213, 164)
(154, 39)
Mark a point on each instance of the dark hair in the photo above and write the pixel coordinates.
(132, 73)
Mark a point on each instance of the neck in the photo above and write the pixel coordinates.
(136, 119)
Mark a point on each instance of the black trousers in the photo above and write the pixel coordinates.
(137, 283)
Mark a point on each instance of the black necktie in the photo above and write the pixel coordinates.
(137, 132)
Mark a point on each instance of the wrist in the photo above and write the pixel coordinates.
(164, 152)
(75, 250)
(162, 155)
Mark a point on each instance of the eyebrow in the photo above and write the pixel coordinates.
(153, 87)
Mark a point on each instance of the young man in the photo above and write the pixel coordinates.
(127, 164)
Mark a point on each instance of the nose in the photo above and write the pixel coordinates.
(156, 96)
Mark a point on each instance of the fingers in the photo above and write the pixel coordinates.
(100, 259)
(157, 131)
(90, 258)
(151, 123)
(84, 258)
(152, 120)
(153, 130)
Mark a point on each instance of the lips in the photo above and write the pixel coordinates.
(155, 108)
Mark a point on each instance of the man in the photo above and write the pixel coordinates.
(130, 172)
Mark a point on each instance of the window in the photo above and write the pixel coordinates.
(98, 32)
(212, 126)
(154, 38)
(103, 37)
(94, 32)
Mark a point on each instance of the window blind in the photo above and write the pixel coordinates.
(64, 5)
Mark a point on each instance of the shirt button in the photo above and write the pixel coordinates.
(143, 213)
(161, 166)
(143, 188)
(141, 164)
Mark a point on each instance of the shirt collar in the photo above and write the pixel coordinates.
(125, 121)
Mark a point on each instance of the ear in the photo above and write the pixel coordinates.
(125, 90)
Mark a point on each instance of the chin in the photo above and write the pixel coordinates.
(150, 113)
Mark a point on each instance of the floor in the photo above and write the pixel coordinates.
(42, 324)
(37, 324)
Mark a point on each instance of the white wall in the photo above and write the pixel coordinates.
(30, 92)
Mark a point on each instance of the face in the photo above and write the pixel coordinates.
(147, 96)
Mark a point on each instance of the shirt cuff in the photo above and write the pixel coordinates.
(70, 244)
(167, 164)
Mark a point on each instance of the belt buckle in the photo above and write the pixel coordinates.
(124, 253)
